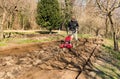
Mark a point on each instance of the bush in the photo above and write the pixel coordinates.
(48, 14)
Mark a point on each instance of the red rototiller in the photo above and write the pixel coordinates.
(67, 42)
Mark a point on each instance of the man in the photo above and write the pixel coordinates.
(73, 27)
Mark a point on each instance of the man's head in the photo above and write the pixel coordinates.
(73, 18)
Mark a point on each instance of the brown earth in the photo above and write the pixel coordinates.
(48, 61)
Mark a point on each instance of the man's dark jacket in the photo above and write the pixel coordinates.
(73, 25)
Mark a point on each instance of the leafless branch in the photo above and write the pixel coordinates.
(113, 4)
(116, 6)
(101, 7)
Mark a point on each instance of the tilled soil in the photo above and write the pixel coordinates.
(48, 61)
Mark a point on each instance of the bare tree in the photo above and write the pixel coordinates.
(17, 13)
(27, 14)
(88, 17)
(108, 7)
(7, 8)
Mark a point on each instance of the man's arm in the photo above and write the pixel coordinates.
(77, 25)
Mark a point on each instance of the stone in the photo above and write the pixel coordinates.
(25, 60)
(10, 75)
(7, 58)
(36, 62)
(42, 51)
(2, 74)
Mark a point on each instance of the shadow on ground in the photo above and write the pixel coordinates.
(106, 66)
(45, 32)
(86, 60)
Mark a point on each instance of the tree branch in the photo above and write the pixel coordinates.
(113, 4)
(101, 7)
(112, 9)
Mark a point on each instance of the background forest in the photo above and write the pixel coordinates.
(95, 17)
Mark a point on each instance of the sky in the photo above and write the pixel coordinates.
(78, 2)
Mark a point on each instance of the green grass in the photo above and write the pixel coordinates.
(84, 35)
(110, 70)
(24, 41)
(2, 44)
(108, 42)
(5, 41)
(110, 50)
(18, 40)
(110, 66)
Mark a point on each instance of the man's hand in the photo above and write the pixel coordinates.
(77, 30)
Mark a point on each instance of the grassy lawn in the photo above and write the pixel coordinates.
(7, 41)
(19, 40)
(84, 35)
(110, 67)
(2, 44)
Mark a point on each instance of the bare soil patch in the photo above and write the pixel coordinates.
(48, 61)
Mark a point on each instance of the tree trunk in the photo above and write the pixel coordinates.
(2, 25)
(11, 21)
(50, 31)
(106, 29)
(97, 32)
(1, 31)
(116, 48)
